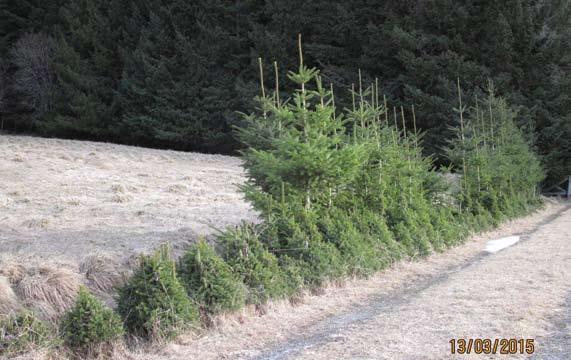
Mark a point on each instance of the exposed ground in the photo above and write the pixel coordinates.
(61, 201)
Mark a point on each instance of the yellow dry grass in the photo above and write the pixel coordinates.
(8, 301)
(103, 273)
(49, 286)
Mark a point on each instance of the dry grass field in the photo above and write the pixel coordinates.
(75, 211)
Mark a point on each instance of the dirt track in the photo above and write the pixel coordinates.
(414, 309)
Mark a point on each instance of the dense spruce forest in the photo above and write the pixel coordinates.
(175, 74)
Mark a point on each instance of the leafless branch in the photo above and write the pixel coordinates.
(34, 77)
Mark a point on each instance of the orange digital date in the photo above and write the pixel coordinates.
(492, 346)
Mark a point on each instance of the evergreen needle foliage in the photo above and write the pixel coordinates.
(250, 259)
(89, 323)
(209, 280)
(153, 303)
(347, 192)
(500, 172)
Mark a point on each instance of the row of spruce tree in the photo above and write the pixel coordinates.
(173, 73)
(341, 192)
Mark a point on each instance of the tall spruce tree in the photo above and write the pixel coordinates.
(88, 68)
(158, 85)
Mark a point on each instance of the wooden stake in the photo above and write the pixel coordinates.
(332, 100)
(260, 65)
(300, 50)
(386, 109)
(377, 97)
(461, 111)
(414, 124)
(277, 83)
(262, 84)
(403, 122)
(353, 95)
(490, 96)
(360, 90)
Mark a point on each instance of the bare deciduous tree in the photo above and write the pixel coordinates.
(34, 78)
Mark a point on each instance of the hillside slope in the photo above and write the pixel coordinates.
(69, 198)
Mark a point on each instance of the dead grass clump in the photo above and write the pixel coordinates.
(43, 310)
(177, 188)
(18, 158)
(73, 202)
(36, 223)
(8, 300)
(119, 188)
(122, 198)
(5, 201)
(12, 271)
(103, 272)
(101, 164)
(55, 286)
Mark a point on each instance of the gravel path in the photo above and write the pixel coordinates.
(413, 310)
